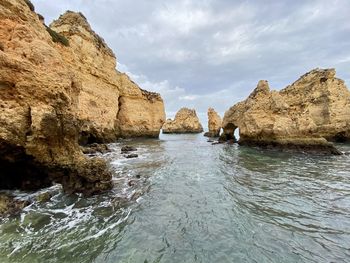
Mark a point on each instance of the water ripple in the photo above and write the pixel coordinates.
(185, 200)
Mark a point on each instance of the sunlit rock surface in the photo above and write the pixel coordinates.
(59, 86)
(305, 115)
(214, 123)
(186, 121)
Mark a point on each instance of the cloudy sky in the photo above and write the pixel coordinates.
(213, 52)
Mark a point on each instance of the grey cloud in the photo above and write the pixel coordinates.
(212, 53)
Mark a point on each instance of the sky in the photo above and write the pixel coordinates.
(212, 53)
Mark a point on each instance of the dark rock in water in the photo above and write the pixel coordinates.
(127, 148)
(133, 155)
(43, 197)
(320, 147)
(119, 202)
(210, 140)
(132, 182)
(10, 206)
(138, 176)
(95, 177)
(210, 135)
(227, 138)
(95, 148)
(207, 134)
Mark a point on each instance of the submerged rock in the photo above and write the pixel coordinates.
(43, 197)
(95, 148)
(59, 86)
(133, 155)
(11, 206)
(186, 121)
(214, 124)
(303, 116)
(127, 148)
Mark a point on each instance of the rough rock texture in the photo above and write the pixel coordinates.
(52, 95)
(110, 105)
(141, 113)
(304, 115)
(10, 206)
(214, 123)
(186, 121)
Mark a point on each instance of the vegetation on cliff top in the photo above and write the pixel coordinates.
(57, 38)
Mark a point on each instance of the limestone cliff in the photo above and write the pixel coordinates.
(186, 121)
(52, 94)
(141, 113)
(214, 123)
(110, 105)
(304, 115)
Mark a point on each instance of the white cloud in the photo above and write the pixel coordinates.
(189, 97)
(182, 16)
(212, 53)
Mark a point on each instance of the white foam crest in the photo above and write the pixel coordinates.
(99, 233)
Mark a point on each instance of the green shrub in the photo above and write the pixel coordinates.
(57, 38)
(30, 5)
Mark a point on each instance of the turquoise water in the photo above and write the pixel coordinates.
(185, 200)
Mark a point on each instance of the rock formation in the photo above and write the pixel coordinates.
(110, 105)
(305, 115)
(10, 206)
(186, 121)
(59, 85)
(214, 124)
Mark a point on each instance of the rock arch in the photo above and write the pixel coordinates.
(229, 132)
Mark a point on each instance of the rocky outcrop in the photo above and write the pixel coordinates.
(186, 121)
(214, 124)
(110, 105)
(58, 87)
(141, 113)
(305, 115)
(10, 206)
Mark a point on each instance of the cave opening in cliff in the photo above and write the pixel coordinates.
(230, 131)
(340, 137)
(86, 138)
(20, 171)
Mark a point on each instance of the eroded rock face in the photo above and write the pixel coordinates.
(304, 115)
(10, 206)
(186, 121)
(141, 113)
(214, 124)
(52, 95)
(110, 104)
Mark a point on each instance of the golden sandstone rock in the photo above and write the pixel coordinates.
(214, 124)
(305, 115)
(186, 121)
(109, 104)
(53, 94)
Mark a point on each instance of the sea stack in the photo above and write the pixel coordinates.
(59, 87)
(306, 115)
(186, 121)
(214, 124)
